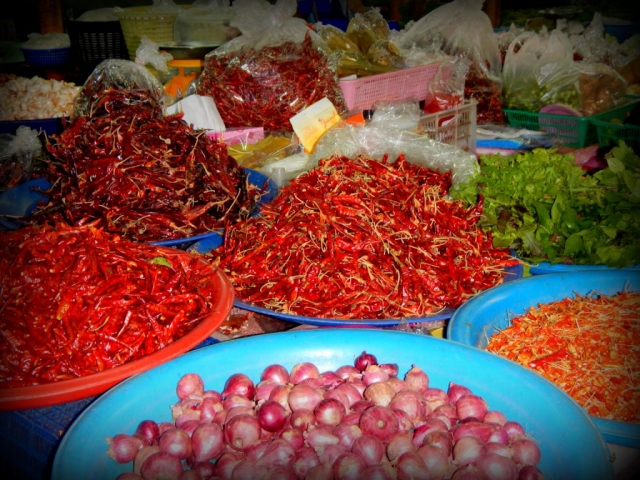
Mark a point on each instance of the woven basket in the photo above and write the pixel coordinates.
(93, 42)
(138, 22)
(53, 57)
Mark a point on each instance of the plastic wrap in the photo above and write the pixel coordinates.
(46, 41)
(205, 23)
(601, 87)
(446, 88)
(148, 53)
(375, 142)
(276, 68)
(361, 32)
(385, 53)
(98, 15)
(401, 115)
(16, 153)
(378, 23)
(115, 74)
(539, 70)
(467, 32)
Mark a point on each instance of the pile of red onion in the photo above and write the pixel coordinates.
(358, 422)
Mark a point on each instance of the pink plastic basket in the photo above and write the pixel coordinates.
(406, 84)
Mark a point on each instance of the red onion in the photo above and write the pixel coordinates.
(256, 450)
(142, 455)
(330, 379)
(164, 426)
(429, 425)
(411, 402)
(306, 458)
(376, 472)
(304, 396)
(280, 472)
(400, 443)
(529, 472)
(190, 385)
(352, 393)
(469, 472)
(242, 431)
(263, 390)
(444, 419)
(240, 384)
(226, 463)
(235, 411)
(397, 384)
(148, 429)
(369, 448)
(123, 448)
(435, 460)
(315, 382)
(497, 467)
(275, 373)
(213, 395)
(495, 416)
(359, 385)
(161, 466)
(220, 417)
(176, 442)
(188, 416)
(271, 416)
(474, 429)
(321, 436)
(467, 450)
(348, 466)
(235, 400)
(390, 368)
(330, 453)
(435, 397)
(440, 439)
(514, 430)
(379, 421)
(278, 453)
(207, 469)
(292, 435)
(404, 422)
(499, 435)
(208, 409)
(525, 452)
(361, 405)
(191, 475)
(329, 411)
(374, 374)
(303, 370)
(455, 391)
(416, 379)
(352, 417)
(499, 449)
(379, 393)
(207, 442)
(347, 433)
(363, 360)
(128, 476)
(411, 467)
(447, 410)
(342, 397)
(246, 470)
(189, 426)
(319, 472)
(349, 373)
(280, 394)
(471, 406)
(302, 419)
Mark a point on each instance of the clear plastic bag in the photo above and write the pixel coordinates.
(601, 87)
(401, 115)
(148, 53)
(446, 88)
(117, 74)
(539, 70)
(205, 23)
(375, 142)
(361, 32)
(276, 68)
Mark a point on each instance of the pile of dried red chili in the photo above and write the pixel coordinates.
(267, 87)
(587, 345)
(145, 176)
(75, 301)
(362, 239)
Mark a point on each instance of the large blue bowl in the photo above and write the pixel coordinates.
(478, 318)
(571, 446)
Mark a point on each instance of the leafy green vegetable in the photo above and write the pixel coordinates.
(547, 208)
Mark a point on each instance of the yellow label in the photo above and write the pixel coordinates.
(311, 123)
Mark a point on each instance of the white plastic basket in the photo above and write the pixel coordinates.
(455, 126)
(406, 84)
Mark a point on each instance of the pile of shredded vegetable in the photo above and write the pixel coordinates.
(587, 345)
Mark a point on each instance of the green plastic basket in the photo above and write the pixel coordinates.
(570, 130)
(611, 134)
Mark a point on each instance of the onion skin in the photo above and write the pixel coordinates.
(369, 448)
(190, 385)
(239, 383)
(471, 406)
(376, 472)
(207, 442)
(379, 421)
(412, 403)
(278, 453)
(467, 450)
(435, 459)
(207, 469)
(399, 444)
(302, 419)
(374, 374)
(306, 459)
(455, 391)
(280, 473)
(128, 476)
(246, 470)
(439, 439)
(176, 442)
(329, 453)
(123, 448)
(529, 472)
(475, 429)
(319, 472)
(329, 411)
(142, 455)
(348, 466)
(411, 467)
(363, 360)
(301, 371)
(497, 467)
(226, 463)
(469, 472)
(148, 429)
(161, 466)
(495, 416)
(347, 434)
(379, 393)
(514, 430)
(304, 396)
(242, 431)
(416, 379)
(271, 416)
(275, 373)
(525, 452)
(191, 475)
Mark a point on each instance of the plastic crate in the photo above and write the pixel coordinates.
(572, 131)
(93, 42)
(611, 134)
(138, 22)
(455, 126)
(406, 84)
(53, 57)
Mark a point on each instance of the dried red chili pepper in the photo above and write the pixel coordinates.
(362, 238)
(76, 300)
(147, 177)
(266, 87)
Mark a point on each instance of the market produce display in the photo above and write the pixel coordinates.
(362, 239)
(76, 301)
(268, 86)
(33, 98)
(365, 420)
(548, 209)
(588, 345)
(146, 176)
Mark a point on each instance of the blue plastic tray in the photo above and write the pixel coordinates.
(480, 316)
(570, 444)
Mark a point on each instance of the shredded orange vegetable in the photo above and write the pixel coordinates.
(587, 345)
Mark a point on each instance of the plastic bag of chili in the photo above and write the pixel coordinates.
(276, 68)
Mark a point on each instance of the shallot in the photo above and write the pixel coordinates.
(358, 422)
